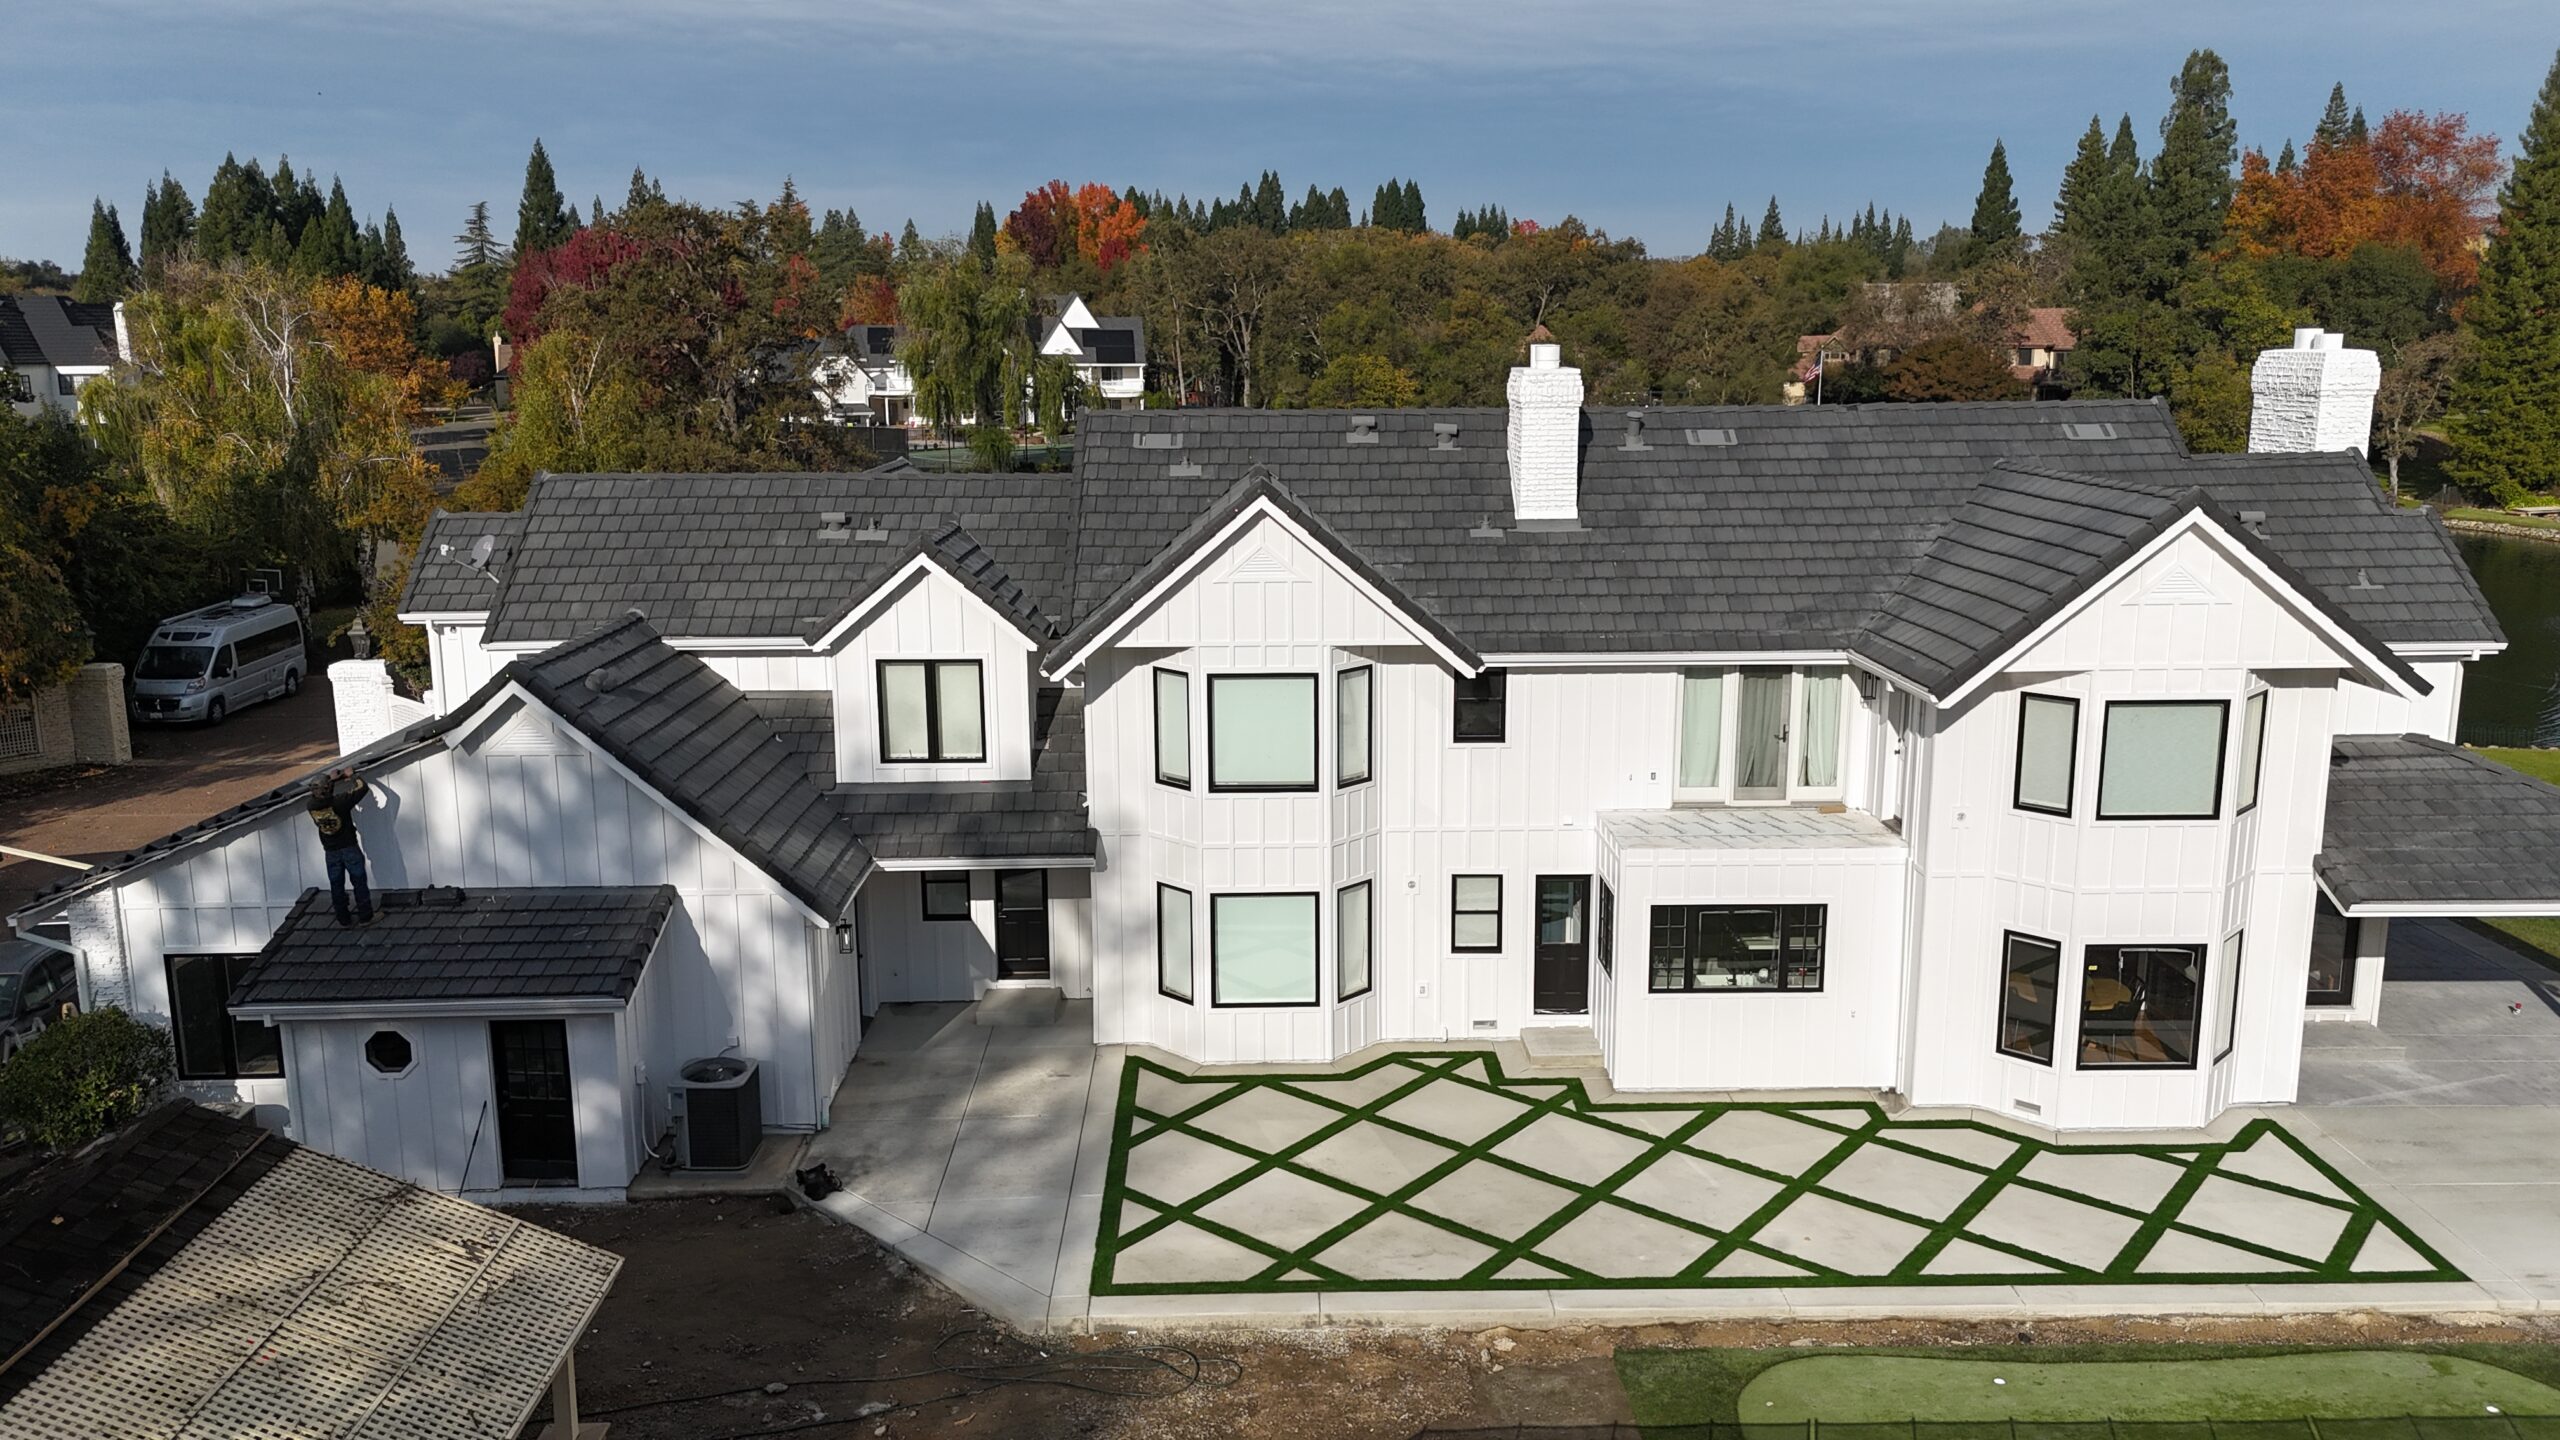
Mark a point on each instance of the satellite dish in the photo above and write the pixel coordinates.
(481, 549)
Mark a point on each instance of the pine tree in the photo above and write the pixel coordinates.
(291, 209)
(2507, 443)
(982, 236)
(2286, 163)
(106, 269)
(2088, 166)
(1338, 207)
(271, 250)
(644, 193)
(1995, 230)
(2356, 133)
(2191, 178)
(1415, 218)
(236, 212)
(393, 270)
(575, 224)
(331, 244)
(596, 212)
(1898, 258)
(910, 245)
(2124, 152)
(2332, 129)
(1268, 207)
(168, 226)
(476, 247)
(542, 219)
(1773, 230)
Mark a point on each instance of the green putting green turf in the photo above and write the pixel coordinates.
(2338, 1385)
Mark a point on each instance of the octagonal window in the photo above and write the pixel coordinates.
(388, 1051)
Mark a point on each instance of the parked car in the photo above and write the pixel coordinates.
(36, 989)
(207, 663)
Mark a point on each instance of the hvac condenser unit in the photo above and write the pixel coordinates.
(723, 1119)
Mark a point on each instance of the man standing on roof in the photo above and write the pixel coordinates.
(333, 813)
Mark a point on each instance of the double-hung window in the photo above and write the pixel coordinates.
(1173, 943)
(1173, 728)
(1479, 716)
(212, 1045)
(1737, 947)
(2139, 1006)
(1262, 732)
(2048, 742)
(2162, 760)
(2030, 996)
(932, 711)
(1262, 950)
(1352, 714)
(1475, 914)
(2253, 751)
(1353, 929)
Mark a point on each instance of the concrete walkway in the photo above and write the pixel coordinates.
(982, 1155)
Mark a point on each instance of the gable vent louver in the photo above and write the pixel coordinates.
(2088, 430)
(1710, 436)
(1159, 440)
(1364, 431)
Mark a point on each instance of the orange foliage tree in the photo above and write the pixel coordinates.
(2422, 182)
(1054, 222)
(370, 330)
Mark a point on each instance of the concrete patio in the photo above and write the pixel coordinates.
(983, 1153)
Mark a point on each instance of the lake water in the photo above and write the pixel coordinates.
(2514, 698)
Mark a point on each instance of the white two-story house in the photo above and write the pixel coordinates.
(2002, 756)
(1108, 351)
(51, 345)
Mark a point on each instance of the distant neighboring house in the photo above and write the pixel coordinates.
(1110, 351)
(52, 346)
(2039, 355)
(861, 381)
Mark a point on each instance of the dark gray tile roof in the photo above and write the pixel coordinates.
(806, 721)
(2415, 821)
(719, 556)
(994, 821)
(563, 942)
(54, 330)
(975, 566)
(697, 740)
(439, 580)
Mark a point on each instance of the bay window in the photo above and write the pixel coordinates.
(1351, 725)
(2030, 992)
(2226, 1018)
(1173, 728)
(1262, 732)
(2162, 760)
(1173, 943)
(2138, 1006)
(2253, 751)
(1262, 950)
(1352, 930)
(2048, 747)
(932, 710)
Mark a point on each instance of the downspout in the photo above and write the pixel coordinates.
(1917, 813)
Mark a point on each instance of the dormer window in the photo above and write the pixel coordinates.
(932, 711)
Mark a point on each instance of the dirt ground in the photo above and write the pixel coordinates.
(737, 1295)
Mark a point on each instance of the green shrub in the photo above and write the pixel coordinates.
(85, 1075)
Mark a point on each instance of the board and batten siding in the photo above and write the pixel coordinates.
(521, 801)
(910, 958)
(933, 617)
(1987, 867)
(2364, 710)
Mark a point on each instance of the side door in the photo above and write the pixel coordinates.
(1022, 924)
(1561, 978)
(537, 1121)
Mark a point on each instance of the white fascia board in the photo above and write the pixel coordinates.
(2448, 649)
(1189, 570)
(1700, 660)
(2439, 909)
(605, 757)
(887, 590)
(1009, 862)
(440, 617)
(758, 644)
(530, 1006)
(2372, 667)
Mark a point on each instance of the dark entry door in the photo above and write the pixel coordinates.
(1022, 924)
(537, 1124)
(2334, 940)
(1562, 984)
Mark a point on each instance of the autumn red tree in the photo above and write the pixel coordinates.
(580, 262)
(2421, 182)
(1042, 229)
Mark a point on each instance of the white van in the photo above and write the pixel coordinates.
(207, 663)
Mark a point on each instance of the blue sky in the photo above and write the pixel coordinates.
(1644, 118)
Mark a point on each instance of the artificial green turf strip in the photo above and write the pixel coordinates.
(2344, 1385)
(1568, 1096)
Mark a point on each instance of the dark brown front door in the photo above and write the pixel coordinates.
(537, 1123)
(1562, 984)
(2333, 957)
(1022, 924)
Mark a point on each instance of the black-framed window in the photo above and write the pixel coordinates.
(2335, 939)
(932, 711)
(2162, 759)
(1173, 728)
(1175, 937)
(1737, 947)
(2253, 752)
(1262, 732)
(2048, 752)
(2226, 1017)
(2030, 995)
(1478, 715)
(212, 1045)
(2139, 1006)
(1607, 929)
(1262, 950)
(1354, 708)
(946, 894)
(1475, 914)
(1354, 941)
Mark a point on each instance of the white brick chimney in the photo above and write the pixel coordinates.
(2316, 396)
(1545, 437)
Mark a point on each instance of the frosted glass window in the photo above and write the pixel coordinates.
(1351, 932)
(2227, 999)
(1173, 728)
(932, 710)
(1173, 942)
(1351, 726)
(1701, 728)
(1475, 912)
(1262, 732)
(1262, 949)
(1818, 754)
(2048, 740)
(2162, 760)
(2253, 749)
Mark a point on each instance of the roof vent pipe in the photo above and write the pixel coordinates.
(1544, 441)
(1635, 432)
(1444, 435)
(1364, 430)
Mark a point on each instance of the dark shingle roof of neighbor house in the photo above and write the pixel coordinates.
(441, 579)
(991, 821)
(697, 740)
(54, 330)
(2415, 821)
(556, 942)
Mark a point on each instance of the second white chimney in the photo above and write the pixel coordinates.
(2316, 396)
(1545, 436)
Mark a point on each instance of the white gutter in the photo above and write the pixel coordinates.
(537, 1006)
(1009, 862)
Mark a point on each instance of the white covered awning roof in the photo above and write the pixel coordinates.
(1747, 827)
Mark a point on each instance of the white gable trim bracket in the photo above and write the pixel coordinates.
(1261, 509)
(2374, 667)
(886, 593)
